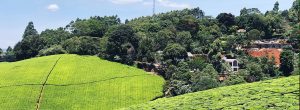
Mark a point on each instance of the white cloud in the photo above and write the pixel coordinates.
(122, 2)
(170, 4)
(53, 7)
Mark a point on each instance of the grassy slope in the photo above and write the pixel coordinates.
(19, 82)
(278, 94)
(92, 83)
(77, 82)
(31, 71)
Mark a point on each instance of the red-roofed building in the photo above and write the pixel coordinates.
(266, 52)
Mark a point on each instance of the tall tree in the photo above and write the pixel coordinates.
(276, 7)
(174, 52)
(30, 30)
(188, 23)
(254, 34)
(9, 55)
(84, 45)
(226, 19)
(122, 43)
(55, 36)
(206, 79)
(29, 47)
(94, 26)
(1, 55)
(287, 60)
(255, 72)
(1, 52)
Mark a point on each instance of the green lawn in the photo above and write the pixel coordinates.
(277, 94)
(76, 82)
(32, 71)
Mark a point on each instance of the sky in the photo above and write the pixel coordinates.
(51, 14)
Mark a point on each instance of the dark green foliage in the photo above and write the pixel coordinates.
(146, 48)
(269, 67)
(1, 55)
(121, 45)
(184, 38)
(254, 34)
(170, 71)
(9, 55)
(285, 14)
(178, 79)
(234, 79)
(53, 50)
(163, 38)
(294, 12)
(287, 60)
(254, 21)
(197, 64)
(226, 19)
(55, 37)
(174, 52)
(295, 37)
(82, 45)
(245, 11)
(206, 79)
(255, 72)
(29, 47)
(188, 23)
(30, 30)
(276, 7)
(178, 87)
(95, 26)
(182, 72)
(1, 51)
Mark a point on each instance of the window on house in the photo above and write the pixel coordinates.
(235, 63)
(235, 69)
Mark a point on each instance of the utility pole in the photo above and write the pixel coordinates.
(153, 7)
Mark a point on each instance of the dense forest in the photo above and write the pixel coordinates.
(166, 38)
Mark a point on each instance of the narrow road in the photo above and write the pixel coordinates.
(43, 85)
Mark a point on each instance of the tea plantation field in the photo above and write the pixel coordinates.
(277, 94)
(63, 82)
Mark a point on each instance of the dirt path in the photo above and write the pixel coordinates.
(43, 85)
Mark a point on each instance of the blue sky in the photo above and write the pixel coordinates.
(15, 14)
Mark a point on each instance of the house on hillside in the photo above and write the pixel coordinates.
(266, 52)
(234, 64)
(270, 48)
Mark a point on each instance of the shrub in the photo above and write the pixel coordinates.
(82, 45)
(53, 50)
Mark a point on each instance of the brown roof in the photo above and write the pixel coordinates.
(269, 53)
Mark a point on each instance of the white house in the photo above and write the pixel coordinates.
(233, 63)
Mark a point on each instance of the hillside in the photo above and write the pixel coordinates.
(280, 94)
(74, 82)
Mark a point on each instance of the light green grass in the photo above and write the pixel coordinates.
(31, 71)
(277, 94)
(19, 97)
(76, 82)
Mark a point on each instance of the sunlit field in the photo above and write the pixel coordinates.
(76, 82)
